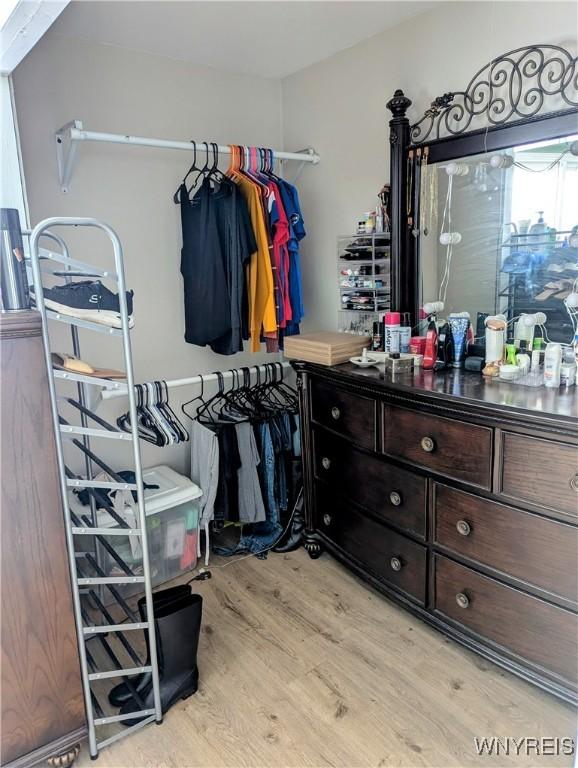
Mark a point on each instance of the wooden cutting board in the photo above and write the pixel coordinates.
(325, 347)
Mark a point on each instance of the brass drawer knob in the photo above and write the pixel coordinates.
(327, 519)
(335, 412)
(395, 564)
(462, 600)
(574, 482)
(427, 444)
(463, 527)
(395, 498)
(325, 462)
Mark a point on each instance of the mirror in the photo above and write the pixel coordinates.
(499, 234)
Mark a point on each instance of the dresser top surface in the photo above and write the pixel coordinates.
(465, 387)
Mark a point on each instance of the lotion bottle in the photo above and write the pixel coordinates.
(523, 359)
(552, 363)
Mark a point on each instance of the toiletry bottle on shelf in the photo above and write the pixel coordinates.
(568, 368)
(552, 363)
(376, 342)
(459, 323)
(536, 354)
(523, 358)
(391, 328)
(511, 354)
(430, 353)
(404, 332)
(495, 333)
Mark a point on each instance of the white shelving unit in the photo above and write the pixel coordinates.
(105, 638)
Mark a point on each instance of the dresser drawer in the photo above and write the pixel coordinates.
(529, 547)
(538, 632)
(451, 448)
(351, 415)
(395, 495)
(542, 472)
(389, 556)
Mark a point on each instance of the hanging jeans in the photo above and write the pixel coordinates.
(263, 535)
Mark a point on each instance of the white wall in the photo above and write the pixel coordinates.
(338, 107)
(131, 188)
(11, 192)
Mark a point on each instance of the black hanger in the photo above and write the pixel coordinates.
(194, 400)
(205, 409)
(183, 185)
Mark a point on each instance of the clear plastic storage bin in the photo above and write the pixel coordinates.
(172, 512)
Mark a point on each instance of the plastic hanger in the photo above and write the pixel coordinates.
(183, 184)
(162, 405)
(194, 400)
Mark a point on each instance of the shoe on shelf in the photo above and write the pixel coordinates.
(62, 361)
(88, 300)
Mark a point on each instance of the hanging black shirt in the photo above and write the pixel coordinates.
(203, 267)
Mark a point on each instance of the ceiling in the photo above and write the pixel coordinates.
(23, 24)
(269, 39)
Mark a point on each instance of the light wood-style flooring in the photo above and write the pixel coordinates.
(302, 664)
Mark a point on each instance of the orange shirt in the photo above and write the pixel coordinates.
(260, 275)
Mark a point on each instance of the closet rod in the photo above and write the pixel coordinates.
(70, 134)
(109, 394)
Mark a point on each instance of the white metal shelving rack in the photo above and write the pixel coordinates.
(87, 576)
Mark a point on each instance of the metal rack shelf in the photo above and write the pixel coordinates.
(87, 576)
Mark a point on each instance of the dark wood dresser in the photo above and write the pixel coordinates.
(42, 698)
(456, 497)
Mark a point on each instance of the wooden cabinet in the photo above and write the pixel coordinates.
(42, 697)
(462, 508)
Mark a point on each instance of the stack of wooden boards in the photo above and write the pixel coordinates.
(325, 347)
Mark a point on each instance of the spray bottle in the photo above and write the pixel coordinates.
(430, 354)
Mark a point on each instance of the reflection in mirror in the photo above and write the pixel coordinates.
(499, 234)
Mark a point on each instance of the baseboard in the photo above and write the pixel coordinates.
(56, 747)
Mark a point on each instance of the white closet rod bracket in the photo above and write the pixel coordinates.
(69, 135)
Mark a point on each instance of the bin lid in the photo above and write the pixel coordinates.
(174, 489)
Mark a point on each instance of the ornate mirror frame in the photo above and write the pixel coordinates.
(525, 95)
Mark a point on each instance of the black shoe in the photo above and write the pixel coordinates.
(294, 537)
(177, 627)
(88, 300)
(121, 694)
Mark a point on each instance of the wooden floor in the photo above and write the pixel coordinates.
(301, 664)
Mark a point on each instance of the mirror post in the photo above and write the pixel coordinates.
(403, 266)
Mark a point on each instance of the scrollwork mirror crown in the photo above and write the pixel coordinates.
(515, 86)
